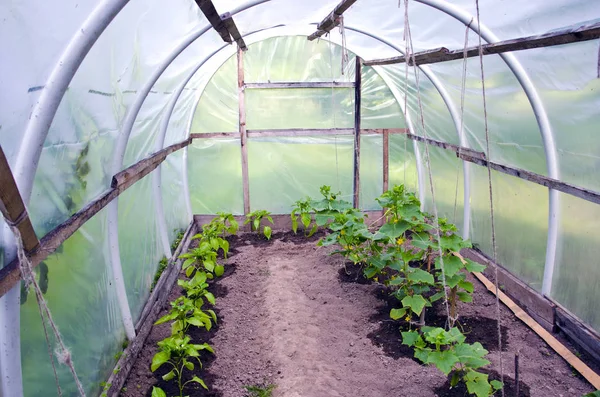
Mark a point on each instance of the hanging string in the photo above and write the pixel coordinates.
(436, 228)
(406, 56)
(463, 88)
(487, 147)
(345, 55)
(63, 354)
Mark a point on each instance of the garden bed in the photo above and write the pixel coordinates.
(290, 315)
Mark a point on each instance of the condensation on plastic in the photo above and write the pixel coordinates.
(139, 244)
(84, 307)
(173, 195)
(521, 219)
(575, 283)
(215, 176)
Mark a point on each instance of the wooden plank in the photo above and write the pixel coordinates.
(585, 194)
(332, 20)
(357, 104)
(560, 37)
(533, 302)
(301, 84)
(233, 30)
(586, 338)
(386, 160)
(139, 170)
(211, 135)
(152, 309)
(12, 206)
(558, 347)
(448, 146)
(243, 132)
(210, 12)
(10, 274)
(297, 132)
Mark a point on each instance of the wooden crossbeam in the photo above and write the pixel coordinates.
(233, 30)
(297, 132)
(560, 37)
(210, 12)
(332, 20)
(10, 274)
(12, 205)
(314, 84)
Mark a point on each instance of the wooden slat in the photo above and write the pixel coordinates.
(233, 30)
(10, 274)
(587, 338)
(357, 104)
(386, 160)
(210, 12)
(297, 132)
(558, 347)
(332, 20)
(152, 309)
(301, 84)
(243, 132)
(563, 36)
(447, 146)
(211, 135)
(12, 205)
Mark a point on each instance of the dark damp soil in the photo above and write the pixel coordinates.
(460, 390)
(292, 315)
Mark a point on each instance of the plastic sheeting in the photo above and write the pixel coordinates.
(75, 163)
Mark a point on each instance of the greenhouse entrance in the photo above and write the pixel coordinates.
(316, 198)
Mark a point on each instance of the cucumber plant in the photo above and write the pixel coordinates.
(180, 354)
(255, 218)
(448, 351)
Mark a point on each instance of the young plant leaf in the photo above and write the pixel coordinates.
(169, 375)
(464, 297)
(158, 392)
(200, 381)
(267, 231)
(444, 360)
(410, 338)
(396, 314)
(219, 270)
(415, 302)
(159, 359)
(420, 276)
(474, 267)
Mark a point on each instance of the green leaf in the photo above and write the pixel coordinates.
(159, 359)
(474, 267)
(189, 365)
(267, 231)
(437, 296)
(444, 360)
(305, 219)
(210, 297)
(471, 355)
(397, 314)
(270, 219)
(452, 265)
(464, 297)
(477, 383)
(189, 271)
(158, 392)
(394, 230)
(420, 276)
(213, 315)
(410, 338)
(422, 240)
(455, 379)
(294, 223)
(312, 231)
(497, 385)
(219, 270)
(256, 223)
(165, 318)
(169, 375)
(195, 321)
(176, 327)
(200, 381)
(415, 302)
(187, 263)
(466, 285)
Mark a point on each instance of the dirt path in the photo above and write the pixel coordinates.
(287, 318)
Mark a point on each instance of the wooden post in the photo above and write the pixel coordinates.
(357, 100)
(386, 160)
(12, 206)
(243, 132)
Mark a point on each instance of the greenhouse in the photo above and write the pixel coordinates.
(300, 198)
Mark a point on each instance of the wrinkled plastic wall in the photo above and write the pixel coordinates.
(75, 164)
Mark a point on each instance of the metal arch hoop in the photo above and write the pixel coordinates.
(542, 119)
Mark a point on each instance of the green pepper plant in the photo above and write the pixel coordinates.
(255, 218)
(185, 312)
(303, 209)
(180, 354)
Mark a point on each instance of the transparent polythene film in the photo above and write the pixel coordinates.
(78, 287)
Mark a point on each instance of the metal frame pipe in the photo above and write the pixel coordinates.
(543, 122)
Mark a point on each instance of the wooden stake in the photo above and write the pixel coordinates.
(13, 207)
(243, 132)
(386, 160)
(357, 101)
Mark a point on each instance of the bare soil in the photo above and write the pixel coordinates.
(292, 315)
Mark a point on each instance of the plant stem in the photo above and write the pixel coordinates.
(452, 300)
